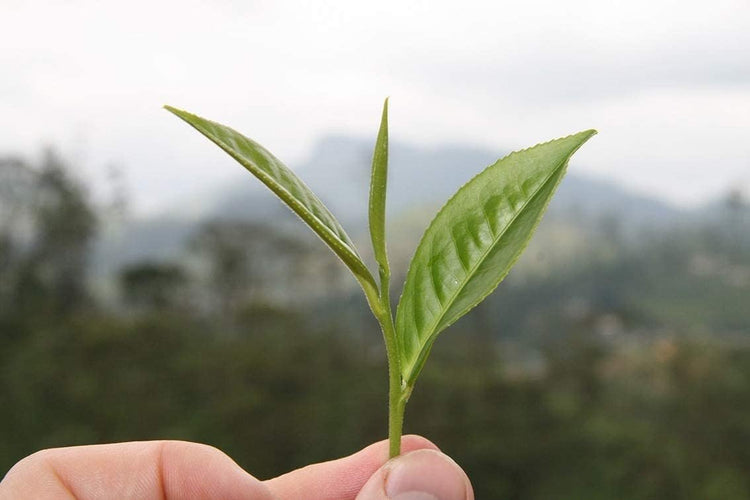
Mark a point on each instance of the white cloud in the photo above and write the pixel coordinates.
(666, 82)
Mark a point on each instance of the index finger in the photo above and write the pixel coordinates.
(343, 478)
(159, 470)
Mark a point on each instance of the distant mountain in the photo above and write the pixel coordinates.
(420, 179)
(338, 171)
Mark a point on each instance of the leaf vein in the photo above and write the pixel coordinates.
(433, 327)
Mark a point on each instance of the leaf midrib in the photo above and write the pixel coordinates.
(479, 262)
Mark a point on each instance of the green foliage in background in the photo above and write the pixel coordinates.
(669, 420)
(624, 374)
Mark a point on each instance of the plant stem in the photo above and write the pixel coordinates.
(396, 406)
(396, 400)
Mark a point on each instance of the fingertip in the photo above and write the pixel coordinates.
(342, 478)
(427, 472)
(413, 442)
(422, 474)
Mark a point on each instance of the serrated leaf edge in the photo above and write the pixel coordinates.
(424, 351)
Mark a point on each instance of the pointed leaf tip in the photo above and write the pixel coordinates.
(378, 187)
(285, 184)
(473, 241)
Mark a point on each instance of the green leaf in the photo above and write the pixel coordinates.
(378, 183)
(473, 242)
(287, 186)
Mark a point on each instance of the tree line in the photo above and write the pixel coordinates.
(596, 383)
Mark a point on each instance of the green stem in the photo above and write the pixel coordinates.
(396, 406)
(396, 399)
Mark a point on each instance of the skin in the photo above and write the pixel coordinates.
(182, 470)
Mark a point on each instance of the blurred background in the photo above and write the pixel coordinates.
(150, 288)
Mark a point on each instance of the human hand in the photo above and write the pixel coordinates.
(180, 470)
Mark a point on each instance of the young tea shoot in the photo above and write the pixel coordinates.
(466, 251)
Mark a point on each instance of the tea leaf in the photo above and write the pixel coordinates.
(287, 186)
(378, 183)
(473, 242)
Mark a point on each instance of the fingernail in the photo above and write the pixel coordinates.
(426, 475)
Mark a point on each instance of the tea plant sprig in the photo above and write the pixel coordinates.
(466, 251)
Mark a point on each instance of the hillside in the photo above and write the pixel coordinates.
(338, 171)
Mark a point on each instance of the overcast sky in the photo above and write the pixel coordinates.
(667, 83)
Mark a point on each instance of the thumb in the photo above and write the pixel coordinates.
(419, 475)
